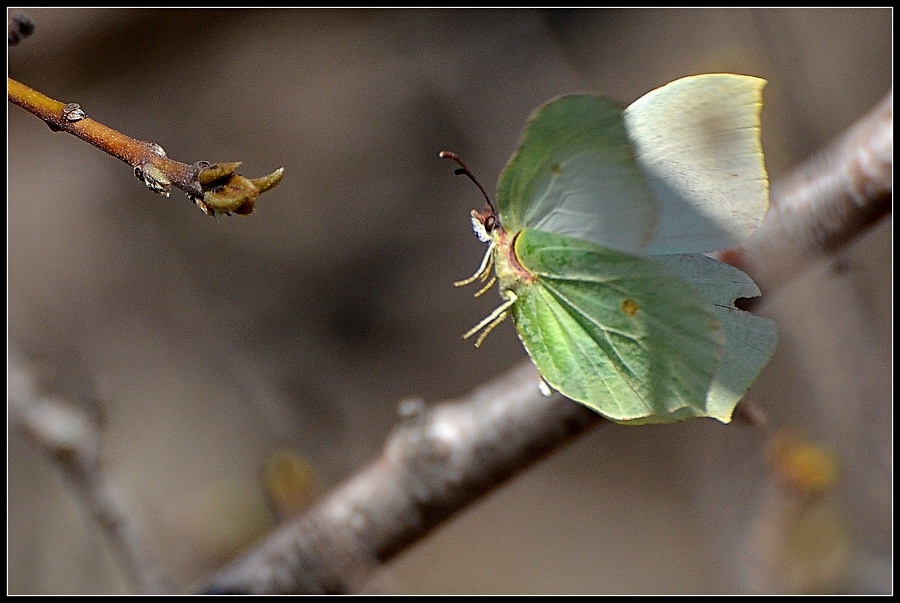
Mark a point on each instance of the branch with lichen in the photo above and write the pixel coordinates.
(214, 187)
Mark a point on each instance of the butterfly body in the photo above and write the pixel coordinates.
(596, 239)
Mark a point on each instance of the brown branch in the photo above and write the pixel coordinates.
(435, 464)
(73, 440)
(216, 188)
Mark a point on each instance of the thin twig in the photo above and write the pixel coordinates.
(73, 440)
(216, 188)
(436, 464)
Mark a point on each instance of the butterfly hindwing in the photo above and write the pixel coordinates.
(750, 340)
(617, 332)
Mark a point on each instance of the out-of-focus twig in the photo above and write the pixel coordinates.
(18, 27)
(73, 440)
(435, 464)
(798, 541)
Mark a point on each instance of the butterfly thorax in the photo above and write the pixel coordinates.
(509, 270)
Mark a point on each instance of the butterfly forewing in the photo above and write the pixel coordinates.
(575, 174)
(698, 142)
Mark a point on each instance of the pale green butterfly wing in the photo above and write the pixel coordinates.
(616, 332)
(750, 340)
(698, 141)
(575, 174)
(589, 188)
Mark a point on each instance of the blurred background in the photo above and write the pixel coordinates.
(206, 347)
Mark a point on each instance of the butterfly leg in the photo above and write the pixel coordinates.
(487, 287)
(486, 264)
(492, 320)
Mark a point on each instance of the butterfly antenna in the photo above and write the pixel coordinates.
(464, 169)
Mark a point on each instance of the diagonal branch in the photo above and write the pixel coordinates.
(437, 462)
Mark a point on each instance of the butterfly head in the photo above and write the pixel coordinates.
(484, 222)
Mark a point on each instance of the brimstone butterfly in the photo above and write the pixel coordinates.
(597, 240)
